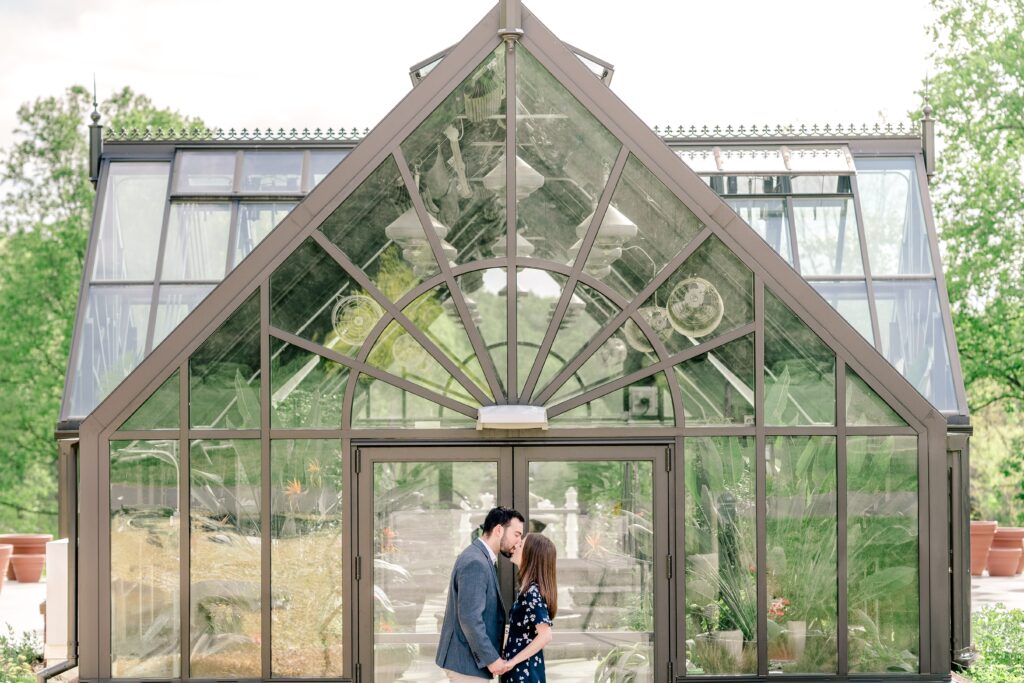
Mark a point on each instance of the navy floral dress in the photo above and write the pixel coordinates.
(529, 610)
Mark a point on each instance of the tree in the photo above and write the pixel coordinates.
(978, 99)
(44, 221)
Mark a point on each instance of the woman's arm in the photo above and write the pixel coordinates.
(544, 636)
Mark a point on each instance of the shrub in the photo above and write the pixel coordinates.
(18, 655)
(999, 637)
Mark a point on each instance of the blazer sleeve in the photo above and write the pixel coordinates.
(473, 579)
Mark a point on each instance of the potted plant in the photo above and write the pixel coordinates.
(482, 97)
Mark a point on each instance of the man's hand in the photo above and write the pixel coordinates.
(498, 667)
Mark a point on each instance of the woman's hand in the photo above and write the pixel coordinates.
(544, 636)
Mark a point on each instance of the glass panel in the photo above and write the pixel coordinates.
(914, 338)
(615, 358)
(145, 619)
(255, 221)
(588, 312)
(323, 162)
(599, 515)
(425, 514)
(718, 386)
(435, 314)
(749, 184)
(312, 297)
(197, 241)
(224, 384)
(161, 410)
(225, 558)
(769, 219)
(451, 154)
(486, 295)
(111, 342)
(307, 391)
(646, 403)
(564, 156)
(883, 564)
(721, 556)
(865, 408)
(379, 405)
(306, 558)
(799, 370)
(851, 300)
(538, 292)
(645, 227)
(174, 303)
(397, 352)
(826, 237)
(205, 172)
(272, 171)
(377, 228)
(130, 222)
(894, 222)
(711, 293)
(802, 599)
(821, 184)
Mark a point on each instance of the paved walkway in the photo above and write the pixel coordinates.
(989, 590)
(19, 607)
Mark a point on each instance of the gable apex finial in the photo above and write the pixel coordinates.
(511, 17)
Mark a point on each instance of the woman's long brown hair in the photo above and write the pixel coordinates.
(539, 565)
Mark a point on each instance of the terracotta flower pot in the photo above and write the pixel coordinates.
(5, 559)
(25, 544)
(1010, 537)
(28, 568)
(982, 534)
(1003, 561)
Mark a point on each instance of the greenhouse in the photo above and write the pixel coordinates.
(716, 367)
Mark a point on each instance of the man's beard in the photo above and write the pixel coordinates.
(506, 553)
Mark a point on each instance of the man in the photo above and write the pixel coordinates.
(474, 618)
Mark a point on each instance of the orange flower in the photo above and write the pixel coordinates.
(293, 488)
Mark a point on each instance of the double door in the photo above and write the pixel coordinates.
(604, 507)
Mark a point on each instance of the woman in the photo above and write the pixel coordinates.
(532, 612)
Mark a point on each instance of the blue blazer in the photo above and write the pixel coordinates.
(474, 618)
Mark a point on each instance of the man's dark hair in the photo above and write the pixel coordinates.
(500, 516)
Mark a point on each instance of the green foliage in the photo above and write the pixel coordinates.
(999, 637)
(997, 451)
(978, 97)
(44, 219)
(18, 654)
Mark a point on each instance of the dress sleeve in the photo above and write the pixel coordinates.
(537, 607)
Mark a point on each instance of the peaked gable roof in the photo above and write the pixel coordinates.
(607, 108)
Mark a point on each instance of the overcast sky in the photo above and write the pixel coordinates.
(331, 64)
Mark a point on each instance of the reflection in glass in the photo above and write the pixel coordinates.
(914, 337)
(599, 514)
(197, 241)
(255, 221)
(128, 236)
(111, 342)
(271, 170)
(424, 515)
(539, 292)
(721, 556)
(865, 408)
(224, 531)
(377, 228)
(882, 548)
(204, 172)
(306, 558)
(379, 405)
(486, 294)
(718, 386)
(174, 303)
(452, 151)
(224, 382)
(799, 370)
(615, 358)
(160, 411)
(572, 154)
(398, 353)
(894, 227)
(826, 237)
(145, 619)
(645, 403)
(801, 598)
(851, 300)
(769, 219)
(323, 162)
(313, 297)
(661, 226)
(306, 391)
(712, 292)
